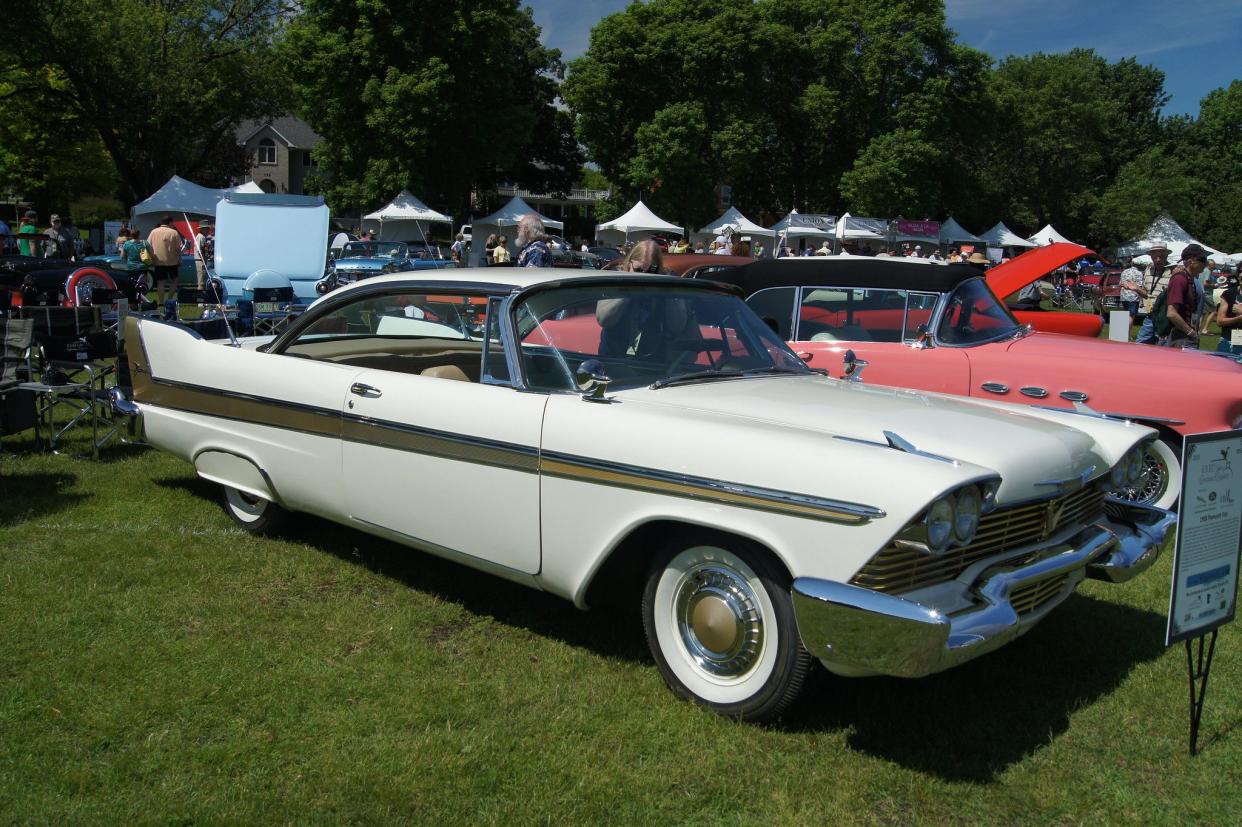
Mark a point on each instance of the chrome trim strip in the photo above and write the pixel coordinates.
(634, 477)
(1144, 418)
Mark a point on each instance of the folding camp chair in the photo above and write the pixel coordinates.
(76, 358)
(17, 408)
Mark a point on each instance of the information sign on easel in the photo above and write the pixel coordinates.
(1206, 556)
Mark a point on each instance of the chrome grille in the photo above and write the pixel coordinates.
(1033, 596)
(898, 569)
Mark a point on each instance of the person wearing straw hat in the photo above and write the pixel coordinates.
(1155, 280)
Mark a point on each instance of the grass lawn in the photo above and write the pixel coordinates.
(159, 665)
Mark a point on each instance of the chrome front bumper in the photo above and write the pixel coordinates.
(856, 631)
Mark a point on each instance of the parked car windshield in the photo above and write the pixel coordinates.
(974, 315)
(374, 249)
(645, 335)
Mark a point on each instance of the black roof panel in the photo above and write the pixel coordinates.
(847, 271)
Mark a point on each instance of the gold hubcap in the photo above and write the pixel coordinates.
(714, 624)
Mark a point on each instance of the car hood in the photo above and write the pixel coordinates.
(1147, 359)
(1025, 448)
(1013, 275)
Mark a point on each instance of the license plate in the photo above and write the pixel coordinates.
(265, 307)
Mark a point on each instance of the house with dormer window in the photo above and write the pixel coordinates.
(278, 153)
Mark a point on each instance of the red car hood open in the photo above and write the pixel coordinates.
(1017, 273)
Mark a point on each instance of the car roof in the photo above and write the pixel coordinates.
(497, 279)
(848, 271)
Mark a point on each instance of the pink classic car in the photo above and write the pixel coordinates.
(936, 327)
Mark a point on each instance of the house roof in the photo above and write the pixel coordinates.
(293, 131)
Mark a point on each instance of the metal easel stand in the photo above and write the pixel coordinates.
(1198, 669)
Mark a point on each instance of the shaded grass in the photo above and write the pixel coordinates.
(159, 665)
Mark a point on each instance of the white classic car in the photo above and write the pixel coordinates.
(650, 438)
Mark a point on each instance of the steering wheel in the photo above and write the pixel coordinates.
(692, 347)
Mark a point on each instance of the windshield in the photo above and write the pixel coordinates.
(374, 249)
(973, 315)
(645, 335)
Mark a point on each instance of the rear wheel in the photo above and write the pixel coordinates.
(253, 514)
(720, 623)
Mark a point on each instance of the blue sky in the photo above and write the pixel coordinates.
(1197, 43)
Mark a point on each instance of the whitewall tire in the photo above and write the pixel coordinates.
(1161, 483)
(253, 514)
(720, 623)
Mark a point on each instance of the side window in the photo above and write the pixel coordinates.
(919, 312)
(851, 314)
(775, 306)
(495, 368)
(434, 334)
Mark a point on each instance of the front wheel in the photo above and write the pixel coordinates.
(720, 623)
(1161, 483)
(253, 514)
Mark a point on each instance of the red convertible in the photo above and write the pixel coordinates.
(1008, 278)
(936, 327)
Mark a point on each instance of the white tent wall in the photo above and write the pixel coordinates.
(1048, 235)
(953, 233)
(1164, 230)
(180, 196)
(733, 221)
(637, 223)
(405, 218)
(788, 230)
(503, 222)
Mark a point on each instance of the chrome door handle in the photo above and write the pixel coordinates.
(365, 390)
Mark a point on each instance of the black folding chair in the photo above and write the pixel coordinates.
(76, 356)
(17, 405)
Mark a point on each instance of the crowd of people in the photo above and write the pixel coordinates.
(1175, 305)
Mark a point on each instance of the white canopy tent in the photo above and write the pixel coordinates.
(732, 221)
(638, 220)
(1164, 230)
(953, 233)
(804, 225)
(856, 228)
(1002, 236)
(405, 218)
(1048, 235)
(181, 196)
(504, 221)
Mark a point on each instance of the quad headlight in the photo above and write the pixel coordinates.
(1129, 471)
(940, 520)
(968, 506)
(952, 519)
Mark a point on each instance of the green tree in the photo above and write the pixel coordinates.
(440, 97)
(1217, 137)
(1062, 128)
(163, 83)
(48, 154)
(776, 98)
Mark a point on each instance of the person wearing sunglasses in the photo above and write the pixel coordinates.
(1183, 298)
(643, 257)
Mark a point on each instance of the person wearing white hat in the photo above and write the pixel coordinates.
(1155, 280)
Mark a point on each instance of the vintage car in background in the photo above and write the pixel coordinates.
(27, 280)
(649, 440)
(364, 259)
(1007, 279)
(937, 327)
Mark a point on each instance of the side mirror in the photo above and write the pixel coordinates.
(854, 367)
(592, 380)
